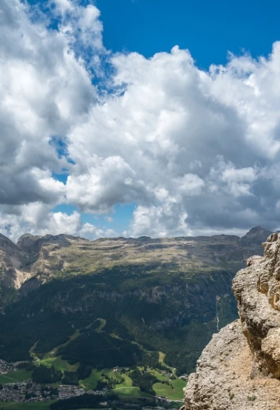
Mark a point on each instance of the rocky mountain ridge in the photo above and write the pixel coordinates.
(240, 368)
(51, 256)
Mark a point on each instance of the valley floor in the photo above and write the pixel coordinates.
(168, 387)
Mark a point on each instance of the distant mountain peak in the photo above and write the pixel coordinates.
(6, 242)
(144, 238)
(257, 230)
(27, 240)
(4, 237)
(255, 236)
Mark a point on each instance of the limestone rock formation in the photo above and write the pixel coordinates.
(240, 368)
(12, 260)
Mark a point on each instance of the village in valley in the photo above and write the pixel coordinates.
(27, 391)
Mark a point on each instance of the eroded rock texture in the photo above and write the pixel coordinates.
(240, 368)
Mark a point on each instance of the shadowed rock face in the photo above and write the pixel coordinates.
(240, 368)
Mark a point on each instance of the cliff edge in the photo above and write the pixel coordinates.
(240, 367)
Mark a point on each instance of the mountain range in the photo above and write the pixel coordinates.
(145, 303)
(47, 257)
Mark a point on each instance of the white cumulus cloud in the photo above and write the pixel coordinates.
(196, 150)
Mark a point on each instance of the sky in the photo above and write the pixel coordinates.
(139, 117)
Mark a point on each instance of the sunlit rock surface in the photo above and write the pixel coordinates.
(240, 367)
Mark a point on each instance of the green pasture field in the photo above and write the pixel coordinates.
(15, 377)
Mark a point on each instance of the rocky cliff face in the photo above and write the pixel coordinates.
(240, 368)
(12, 260)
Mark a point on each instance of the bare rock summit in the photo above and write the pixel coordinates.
(240, 367)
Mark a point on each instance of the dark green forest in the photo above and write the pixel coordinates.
(136, 325)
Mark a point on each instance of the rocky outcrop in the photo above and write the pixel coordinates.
(223, 379)
(12, 260)
(240, 368)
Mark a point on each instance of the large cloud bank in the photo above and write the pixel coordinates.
(197, 151)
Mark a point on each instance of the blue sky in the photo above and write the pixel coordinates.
(109, 129)
(209, 29)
